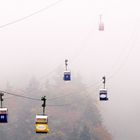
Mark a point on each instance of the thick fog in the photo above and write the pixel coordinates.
(39, 43)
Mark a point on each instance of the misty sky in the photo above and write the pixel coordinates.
(69, 29)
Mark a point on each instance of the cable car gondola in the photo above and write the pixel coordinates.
(3, 111)
(41, 125)
(67, 73)
(103, 91)
(3, 115)
(103, 95)
(101, 24)
(101, 27)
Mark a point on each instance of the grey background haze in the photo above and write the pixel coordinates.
(38, 45)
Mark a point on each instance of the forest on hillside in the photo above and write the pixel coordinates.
(73, 114)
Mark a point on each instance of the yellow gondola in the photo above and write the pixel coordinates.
(41, 125)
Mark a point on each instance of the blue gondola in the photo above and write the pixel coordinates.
(67, 73)
(67, 76)
(3, 115)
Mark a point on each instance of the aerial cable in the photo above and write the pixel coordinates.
(79, 92)
(30, 15)
(30, 98)
(58, 105)
(69, 94)
(50, 99)
(58, 97)
(51, 105)
(36, 99)
(94, 85)
(21, 96)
